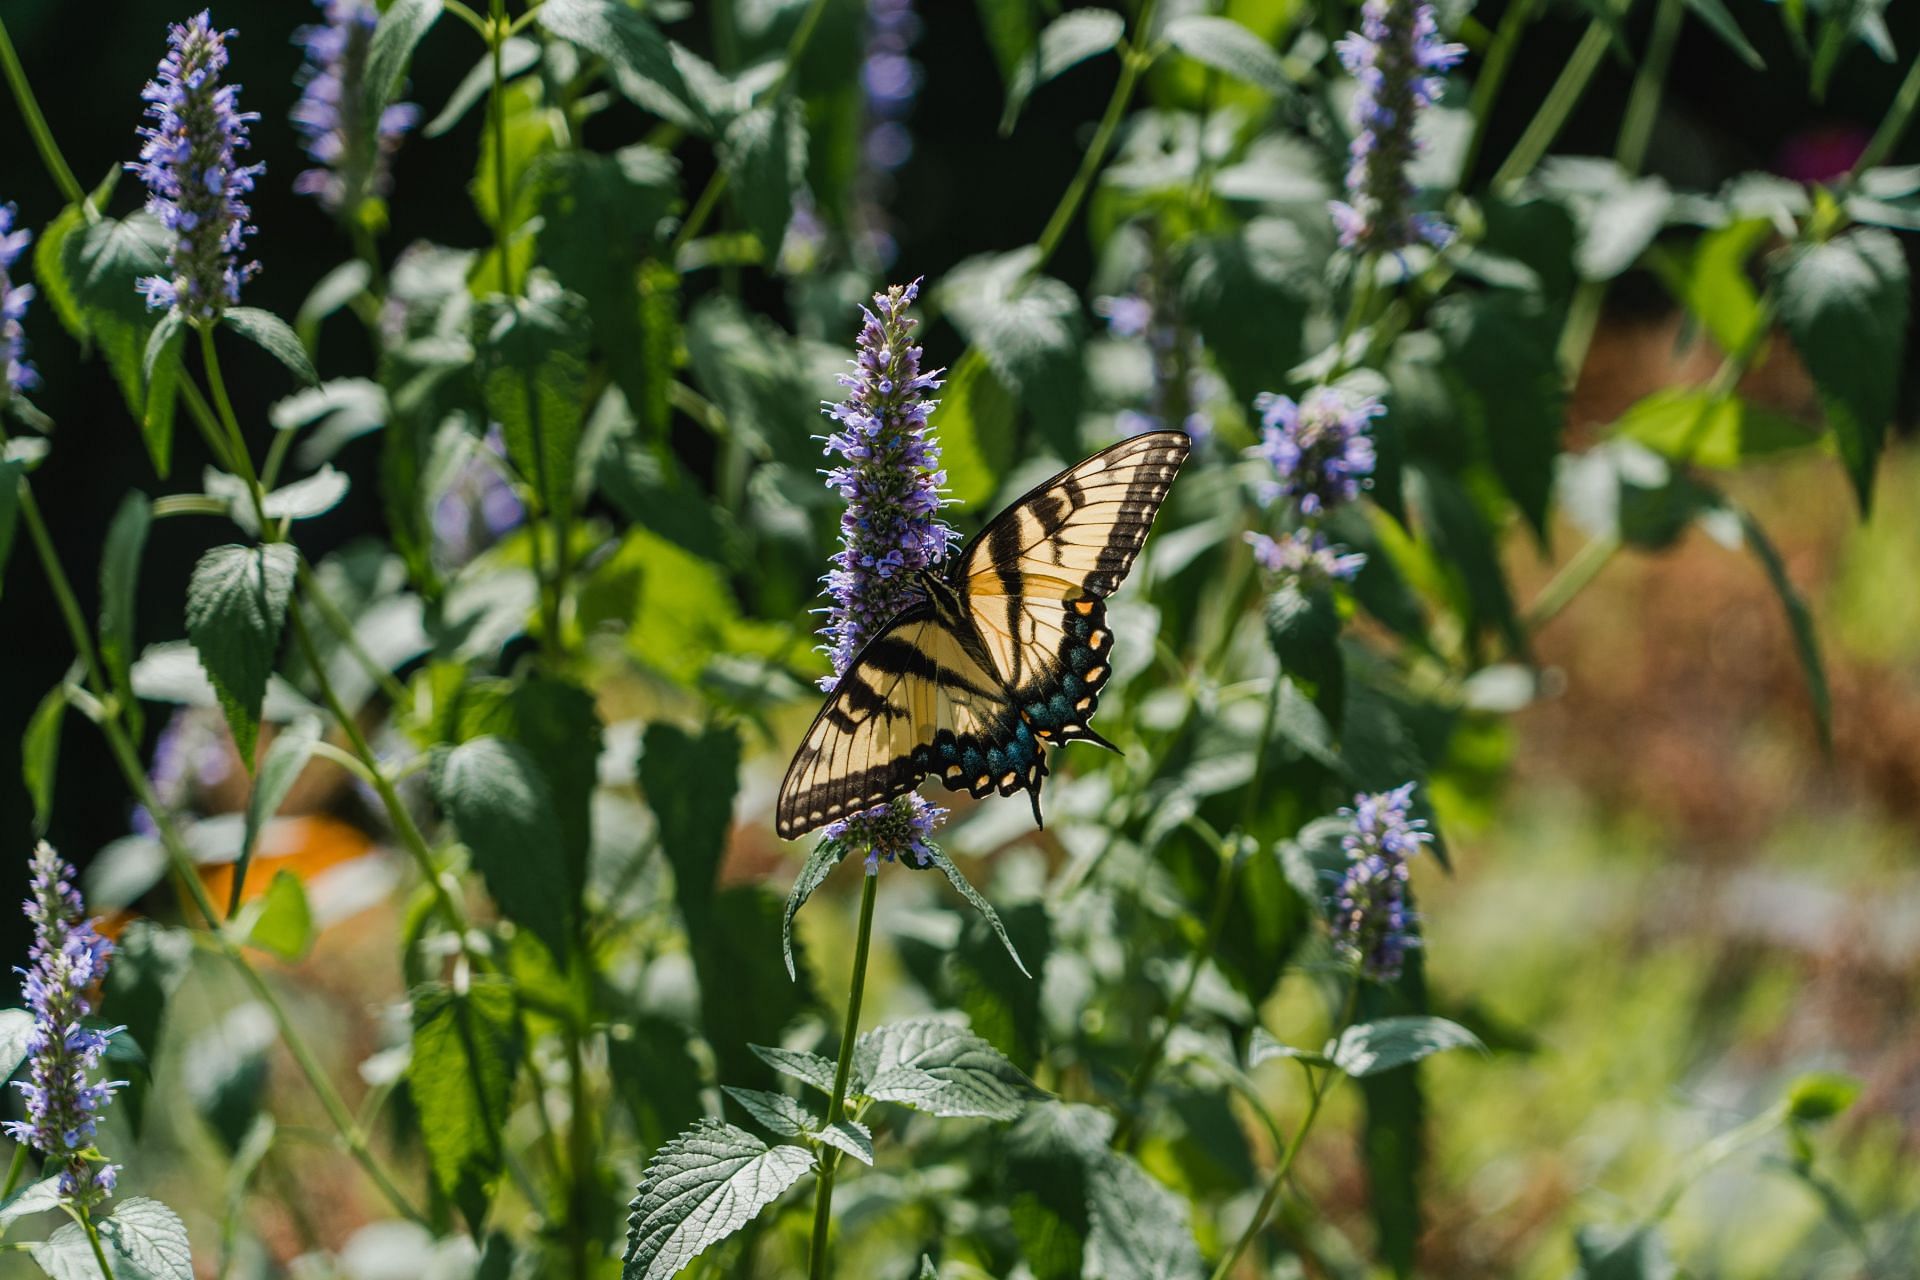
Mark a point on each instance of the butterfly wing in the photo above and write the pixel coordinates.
(917, 700)
(1036, 579)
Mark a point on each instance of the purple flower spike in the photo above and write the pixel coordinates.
(197, 186)
(890, 532)
(16, 375)
(62, 1100)
(1181, 383)
(1372, 924)
(354, 153)
(1321, 453)
(1308, 558)
(1396, 57)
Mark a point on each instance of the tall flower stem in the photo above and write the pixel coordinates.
(1317, 1090)
(497, 39)
(1493, 74)
(1568, 88)
(1135, 61)
(93, 1239)
(837, 1105)
(1223, 886)
(1892, 128)
(37, 126)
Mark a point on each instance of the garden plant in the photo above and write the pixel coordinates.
(450, 929)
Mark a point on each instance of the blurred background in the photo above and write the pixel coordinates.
(1682, 899)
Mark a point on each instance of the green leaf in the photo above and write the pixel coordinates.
(517, 56)
(940, 1068)
(16, 1032)
(699, 1189)
(1262, 1047)
(825, 856)
(1248, 293)
(1622, 1253)
(764, 154)
(1691, 425)
(102, 262)
(119, 592)
(1226, 45)
(283, 922)
(236, 606)
(1818, 1095)
(11, 471)
(556, 722)
(1844, 303)
(149, 963)
(1714, 13)
(35, 1198)
(927, 1270)
(401, 29)
(333, 291)
(163, 372)
(978, 902)
(500, 803)
(641, 57)
(1806, 636)
(1067, 41)
(466, 1050)
(1008, 25)
(776, 1112)
(1303, 626)
(1386, 1043)
(275, 337)
(49, 266)
(690, 784)
(311, 496)
(40, 753)
(1137, 1228)
(1712, 281)
(142, 1238)
(1507, 379)
(808, 1067)
(532, 359)
(280, 768)
(658, 1077)
(974, 423)
(1028, 328)
(851, 1137)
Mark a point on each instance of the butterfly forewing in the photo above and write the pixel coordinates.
(1036, 579)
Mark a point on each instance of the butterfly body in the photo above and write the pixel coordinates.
(1004, 655)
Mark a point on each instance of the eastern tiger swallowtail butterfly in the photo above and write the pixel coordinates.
(1003, 656)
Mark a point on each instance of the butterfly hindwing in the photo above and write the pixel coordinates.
(916, 701)
(1036, 579)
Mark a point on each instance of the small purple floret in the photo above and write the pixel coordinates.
(1372, 923)
(1309, 558)
(63, 1101)
(1397, 57)
(189, 162)
(354, 153)
(16, 374)
(1319, 447)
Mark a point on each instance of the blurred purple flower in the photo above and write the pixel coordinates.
(1306, 557)
(890, 82)
(192, 754)
(1319, 448)
(1181, 381)
(1372, 924)
(1396, 57)
(354, 153)
(479, 506)
(63, 1102)
(196, 185)
(16, 374)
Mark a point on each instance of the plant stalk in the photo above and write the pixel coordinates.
(837, 1105)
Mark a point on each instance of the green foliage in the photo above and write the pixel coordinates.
(701, 1188)
(466, 1052)
(1064, 43)
(142, 1238)
(532, 354)
(236, 606)
(500, 802)
(1226, 45)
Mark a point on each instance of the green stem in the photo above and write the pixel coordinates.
(1223, 886)
(1568, 89)
(1135, 61)
(837, 1105)
(468, 16)
(497, 39)
(1570, 581)
(1649, 86)
(236, 439)
(579, 1158)
(1893, 127)
(342, 628)
(703, 207)
(1493, 74)
(37, 126)
(15, 1169)
(93, 1238)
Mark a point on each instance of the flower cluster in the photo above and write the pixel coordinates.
(1181, 382)
(354, 153)
(891, 480)
(1372, 924)
(890, 81)
(62, 1100)
(891, 531)
(191, 756)
(1305, 557)
(1396, 57)
(197, 186)
(1321, 453)
(479, 506)
(16, 375)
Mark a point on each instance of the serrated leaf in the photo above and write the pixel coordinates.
(940, 1068)
(1507, 376)
(809, 1068)
(500, 803)
(978, 902)
(143, 1240)
(701, 1188)
(16, 1033)
(532, 357)
(37, 1197)
(851, 1137)
(825, 856)
(236, 606)
(162, 368)
(1028, 328)
(466, 1051)
(1806, 636)
(402, 27)
(764, 153)
(642, 58)
(102, 263)
(1386, 1043)
(1137, 1228)
(1845, 305)
(310, 496)
(1226, 45)
(49, 268)
(1248, 293)
(283, 923)
(280, 768)
(275, 337)
(1622, 1253)
(1262, 1047)
(1066, 42)
(40, 754)
(776, 1112)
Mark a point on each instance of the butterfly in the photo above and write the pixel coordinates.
(1003, 656)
